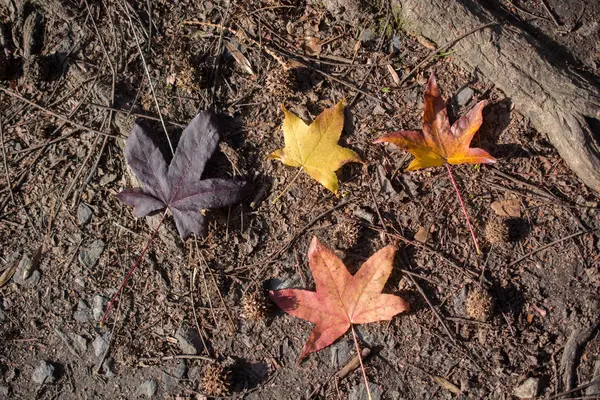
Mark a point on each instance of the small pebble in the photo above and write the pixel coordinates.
(98, 305)
(108, 178)
(188, 340)
(90, 254)
(82, 314)
(108, 367)
(79, 341)
(147, 388)
(359, 392)
(527, 389)
(464, 96)
(34, 279)
(100, 344)
(2, 316)
(4, 392)
(84, 213)
(44, 373)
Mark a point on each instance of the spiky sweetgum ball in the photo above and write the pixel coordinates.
(255, 306)
(497, 231)
(346, 234)
(479, 304)
(216, 380)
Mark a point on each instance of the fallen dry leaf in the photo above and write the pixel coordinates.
(179, 186)
(341, 299)
(507, 208)
(7, 272)
(440, 143)
(314, 147)
(446, 384)
(239, 57)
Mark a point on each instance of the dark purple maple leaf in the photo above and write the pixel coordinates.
(179, 186)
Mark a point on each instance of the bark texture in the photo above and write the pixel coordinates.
(560, 102)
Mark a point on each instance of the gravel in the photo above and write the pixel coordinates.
(188, 340)
(98, 305)
(464, 96)
(147, 388)
(90, 254)
(527, 389)
(45, 372)
(84, 213)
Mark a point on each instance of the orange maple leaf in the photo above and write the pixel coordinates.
(439, 142)
(341, 299)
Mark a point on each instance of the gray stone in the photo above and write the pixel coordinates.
(100, 344)
(464, 96)
(180, 370)
(108, 178)
(595, 388)
(188, 340)
(340, 353)
(527, 389)
(2, 315)
(84, 213)
(359, 392)
(44, 373)
(108, 367)
(98, 305)
(147, 388)
(83, 313)
(90, 254)
(4, 392)
(171, 379)
(34, 279)
(79, 342)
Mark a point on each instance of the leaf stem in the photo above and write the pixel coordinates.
(287, 186)
(362, 367)
(462, 204)
(132, 270)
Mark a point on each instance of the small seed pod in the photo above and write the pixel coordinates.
(216, 380)
(346, 234)
(255, 306)
(479, 304)
(497, 231)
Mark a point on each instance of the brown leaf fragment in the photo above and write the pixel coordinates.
(446, 384)
(422, 234)
(7, 272)
(507, 208)
(239, 57)
(394, 75)
(312, 45)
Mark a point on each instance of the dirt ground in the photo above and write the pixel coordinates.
(78, 79)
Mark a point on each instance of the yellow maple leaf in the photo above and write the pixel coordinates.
(314, 147)
(440, 143)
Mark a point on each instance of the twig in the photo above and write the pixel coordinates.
(218, 292)
(137, 115)
(55, 115)
(272, 258)
(287, 187)
(467, 321)
(558, 24)
(132, 270)
(445, 47)
(522, 10)
(464, 209)
(544, 247)
(137, 42)
(175, 357)
(435, 312)
(362, 367)
(576, 389)
(10, 191)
